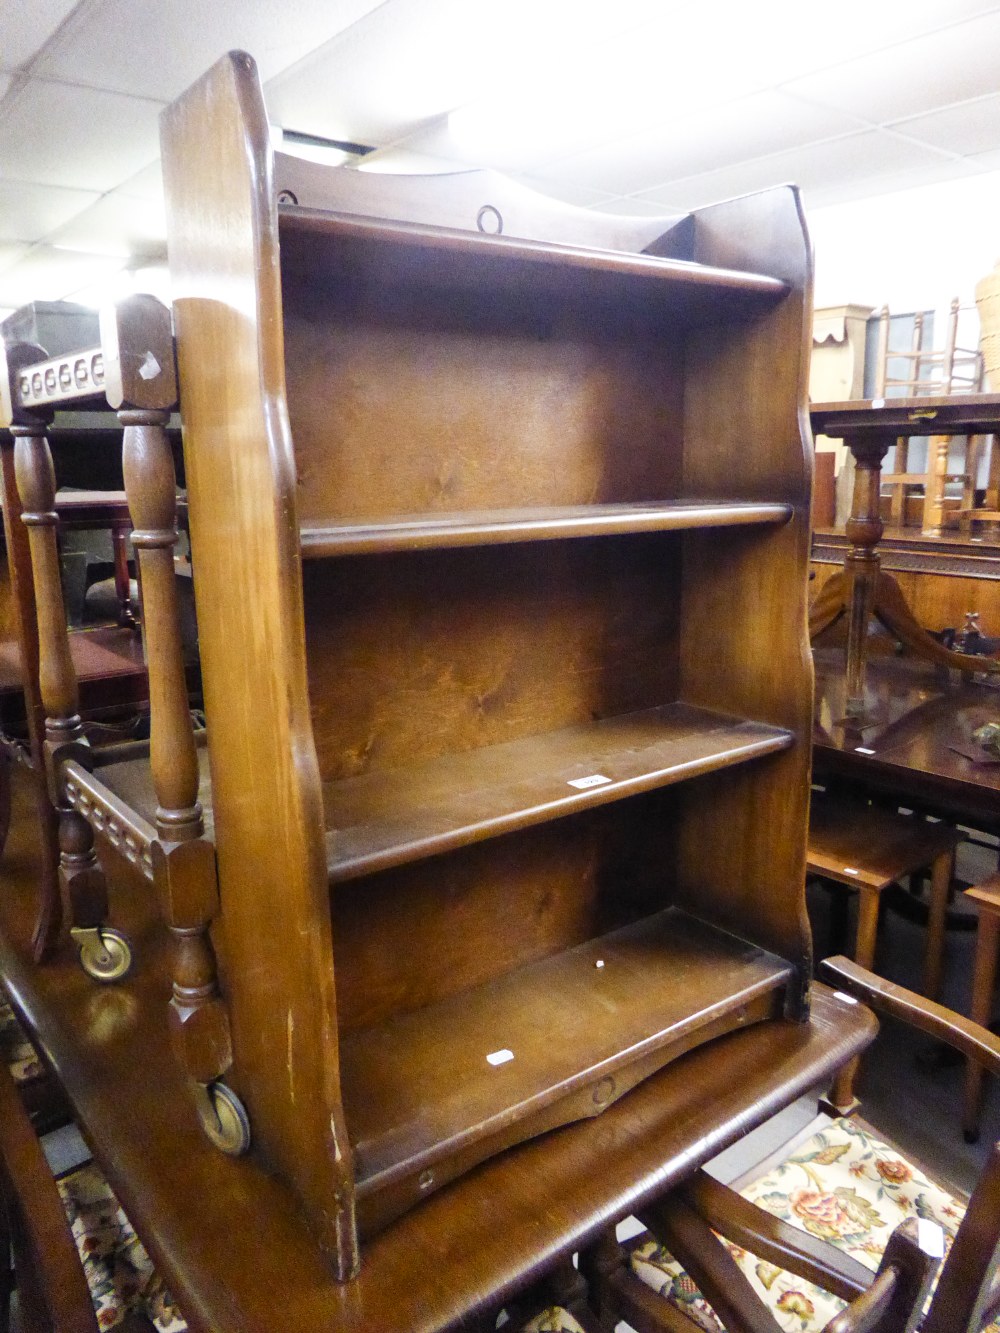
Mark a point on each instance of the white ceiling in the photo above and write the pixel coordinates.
(626, 105)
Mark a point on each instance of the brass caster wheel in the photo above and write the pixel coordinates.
(223, 1118)
(105, 953)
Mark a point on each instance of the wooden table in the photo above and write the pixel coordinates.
(228, 1237)
(914, 716)
(868, 429)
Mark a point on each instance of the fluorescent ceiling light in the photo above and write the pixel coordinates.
(314, 148)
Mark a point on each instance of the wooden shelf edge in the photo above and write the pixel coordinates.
(433, 531)
(719, 983)
(703, 742)
(348, 228)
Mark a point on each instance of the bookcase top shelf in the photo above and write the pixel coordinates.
(545, 523)
(383, 819)
(406, 254)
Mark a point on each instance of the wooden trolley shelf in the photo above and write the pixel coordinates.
(499, 527)
(551, 1042)
(400, 815)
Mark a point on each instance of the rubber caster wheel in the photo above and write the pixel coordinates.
(224, 1119)
(105, 953)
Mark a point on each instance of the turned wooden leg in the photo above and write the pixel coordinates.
(869, 901)
(183, 858)
(864, 943)
(861, 564)
(983, 978)
(123, 589)
(941, 877)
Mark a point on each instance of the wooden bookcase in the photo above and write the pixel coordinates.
(500, 548)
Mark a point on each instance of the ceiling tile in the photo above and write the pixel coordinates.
(48, 274)
(633, 208)
(985, 161)
(145, 184)
(752, 127)
(864, 157)
(29, 212)
(969, 127)
(158, 50)
(412, 60)
(580, 195)
(79, 137)
(952, 65)
(116, 225)
(24, 29)
(10, 253)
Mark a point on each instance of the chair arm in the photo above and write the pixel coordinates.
(777, 1242)
(977, 1042)
(693, 1243)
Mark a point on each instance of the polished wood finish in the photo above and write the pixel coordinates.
(695, 1221)
(986, 897)
(965, 1296)
(915, 740)
(545, 523)
(541, 690)
(475, 1244)
(868, 429)
(183, 859)
(49, 920)
(51, 1289)
(868, 849)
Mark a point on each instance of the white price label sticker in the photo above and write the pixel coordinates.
(499, 1057)
(594, 780)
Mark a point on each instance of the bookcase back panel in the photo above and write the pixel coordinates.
(424, 401)
(416, 655)
(505, 902)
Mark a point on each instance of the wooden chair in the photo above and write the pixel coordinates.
(867, 849)
(986, 897)
(66, 1249)
(951, 369)
(689, 1222)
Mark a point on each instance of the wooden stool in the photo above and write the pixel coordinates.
(867, 850)
(986, 896)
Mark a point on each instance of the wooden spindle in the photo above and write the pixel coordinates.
(104, 953)
(183, 859)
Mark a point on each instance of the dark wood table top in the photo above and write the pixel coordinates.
(229, 1238)
(957, 414)
(918, 720)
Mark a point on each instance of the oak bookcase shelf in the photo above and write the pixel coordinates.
(443, 1085)
(387, 818)
(553, 712)
(431, 531)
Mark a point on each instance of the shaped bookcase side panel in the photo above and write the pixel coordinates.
(275, 929)
(744, 641)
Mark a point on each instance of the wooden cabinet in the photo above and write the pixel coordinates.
(500, 550)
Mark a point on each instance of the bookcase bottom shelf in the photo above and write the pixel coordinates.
(430, 1094)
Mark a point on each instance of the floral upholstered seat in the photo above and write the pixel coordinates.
(15, 1049)
(844, 1185)
(553, 1320)
(120, 1274)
